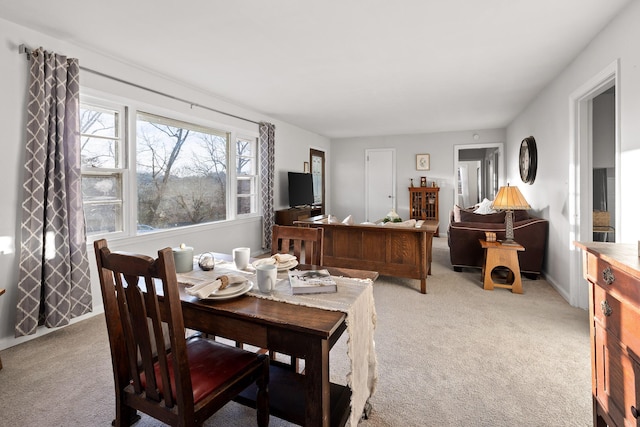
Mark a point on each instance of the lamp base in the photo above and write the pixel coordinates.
(509, 242)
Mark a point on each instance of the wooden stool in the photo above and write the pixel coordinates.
(1, 292)
(498, 255)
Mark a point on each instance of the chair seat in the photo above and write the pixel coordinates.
(211, 364)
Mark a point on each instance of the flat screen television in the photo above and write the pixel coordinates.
(300, 189)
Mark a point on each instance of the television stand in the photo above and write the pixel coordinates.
(288, 216)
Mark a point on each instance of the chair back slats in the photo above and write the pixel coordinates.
(307, 243)
(141, 326)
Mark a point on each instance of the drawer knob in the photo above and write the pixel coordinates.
(607, 276)
(634, 412)
(606, 308)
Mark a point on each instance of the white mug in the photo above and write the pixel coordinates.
(266, 276)
(241, 257)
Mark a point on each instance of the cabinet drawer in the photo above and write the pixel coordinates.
(616, 376)
(619, 319)
(624, 287)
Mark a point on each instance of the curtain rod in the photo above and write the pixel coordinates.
(24, 49)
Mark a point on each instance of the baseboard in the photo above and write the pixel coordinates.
(43, 330)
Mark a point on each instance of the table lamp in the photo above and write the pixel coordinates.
(509, 199)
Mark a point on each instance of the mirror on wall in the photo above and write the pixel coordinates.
(478, 171)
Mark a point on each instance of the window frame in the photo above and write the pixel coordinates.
(122, 159)
(254, 196)
(190, 117)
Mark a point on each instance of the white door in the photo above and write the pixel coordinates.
(380, 182)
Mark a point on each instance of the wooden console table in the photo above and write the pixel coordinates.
(389, 250)
(499, 255)
(289, 216)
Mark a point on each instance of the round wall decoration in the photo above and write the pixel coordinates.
(528, 160)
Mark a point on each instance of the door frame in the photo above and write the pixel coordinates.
(581, 175)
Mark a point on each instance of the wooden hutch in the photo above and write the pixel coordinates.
(423, 203)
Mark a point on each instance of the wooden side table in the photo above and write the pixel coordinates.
(498, 255)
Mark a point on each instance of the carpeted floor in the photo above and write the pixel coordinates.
(458, 356)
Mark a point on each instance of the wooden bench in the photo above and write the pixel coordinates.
(389, 250)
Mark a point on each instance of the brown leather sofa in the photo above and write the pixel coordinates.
(464, 239)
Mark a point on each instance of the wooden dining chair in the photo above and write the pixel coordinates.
(306, 243)
(182, 385)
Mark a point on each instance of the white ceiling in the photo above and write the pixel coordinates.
(341, 68)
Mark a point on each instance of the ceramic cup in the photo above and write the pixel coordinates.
(241, 257)
(266, 277)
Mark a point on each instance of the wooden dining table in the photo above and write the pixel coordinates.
(303, 332)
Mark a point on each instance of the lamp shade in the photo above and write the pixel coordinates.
(510, 198)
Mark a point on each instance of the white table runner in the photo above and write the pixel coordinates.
(354, 297)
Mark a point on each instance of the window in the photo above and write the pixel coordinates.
(102, 160)
(181, 173)
(246, 175)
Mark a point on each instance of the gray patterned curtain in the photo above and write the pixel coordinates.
(267, 167)
(54, 284)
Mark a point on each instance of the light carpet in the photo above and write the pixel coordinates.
(457, 356)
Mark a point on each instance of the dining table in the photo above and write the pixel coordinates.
(301, 326)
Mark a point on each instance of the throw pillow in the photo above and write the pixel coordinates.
(484, 207)
(456, 213)
(520, 216)
(348, 220)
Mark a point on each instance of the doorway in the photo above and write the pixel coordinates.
(586, 159)
(478, 168)
(603, 108)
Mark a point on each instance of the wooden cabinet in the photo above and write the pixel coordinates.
(423, 203)
(288, 216)
(613, 273)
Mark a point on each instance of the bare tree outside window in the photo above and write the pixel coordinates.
(181, 173)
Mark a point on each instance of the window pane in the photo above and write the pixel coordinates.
(99, 137)
(103, 217)
(245, 167)
(245, 147)
(245, 186)
(99, 153)
(245, 205)
(181, 173)
(101, 187)
(98, 122)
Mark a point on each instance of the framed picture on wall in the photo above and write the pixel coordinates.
(423, 162)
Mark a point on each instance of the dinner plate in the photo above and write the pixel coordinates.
(231, 292)
(281, 267)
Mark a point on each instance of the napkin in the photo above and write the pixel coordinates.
(283, 258)
(277, 259)
(204, 289)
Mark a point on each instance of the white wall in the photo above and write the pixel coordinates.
(292, 150)
(547, 119)
(348, 168)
